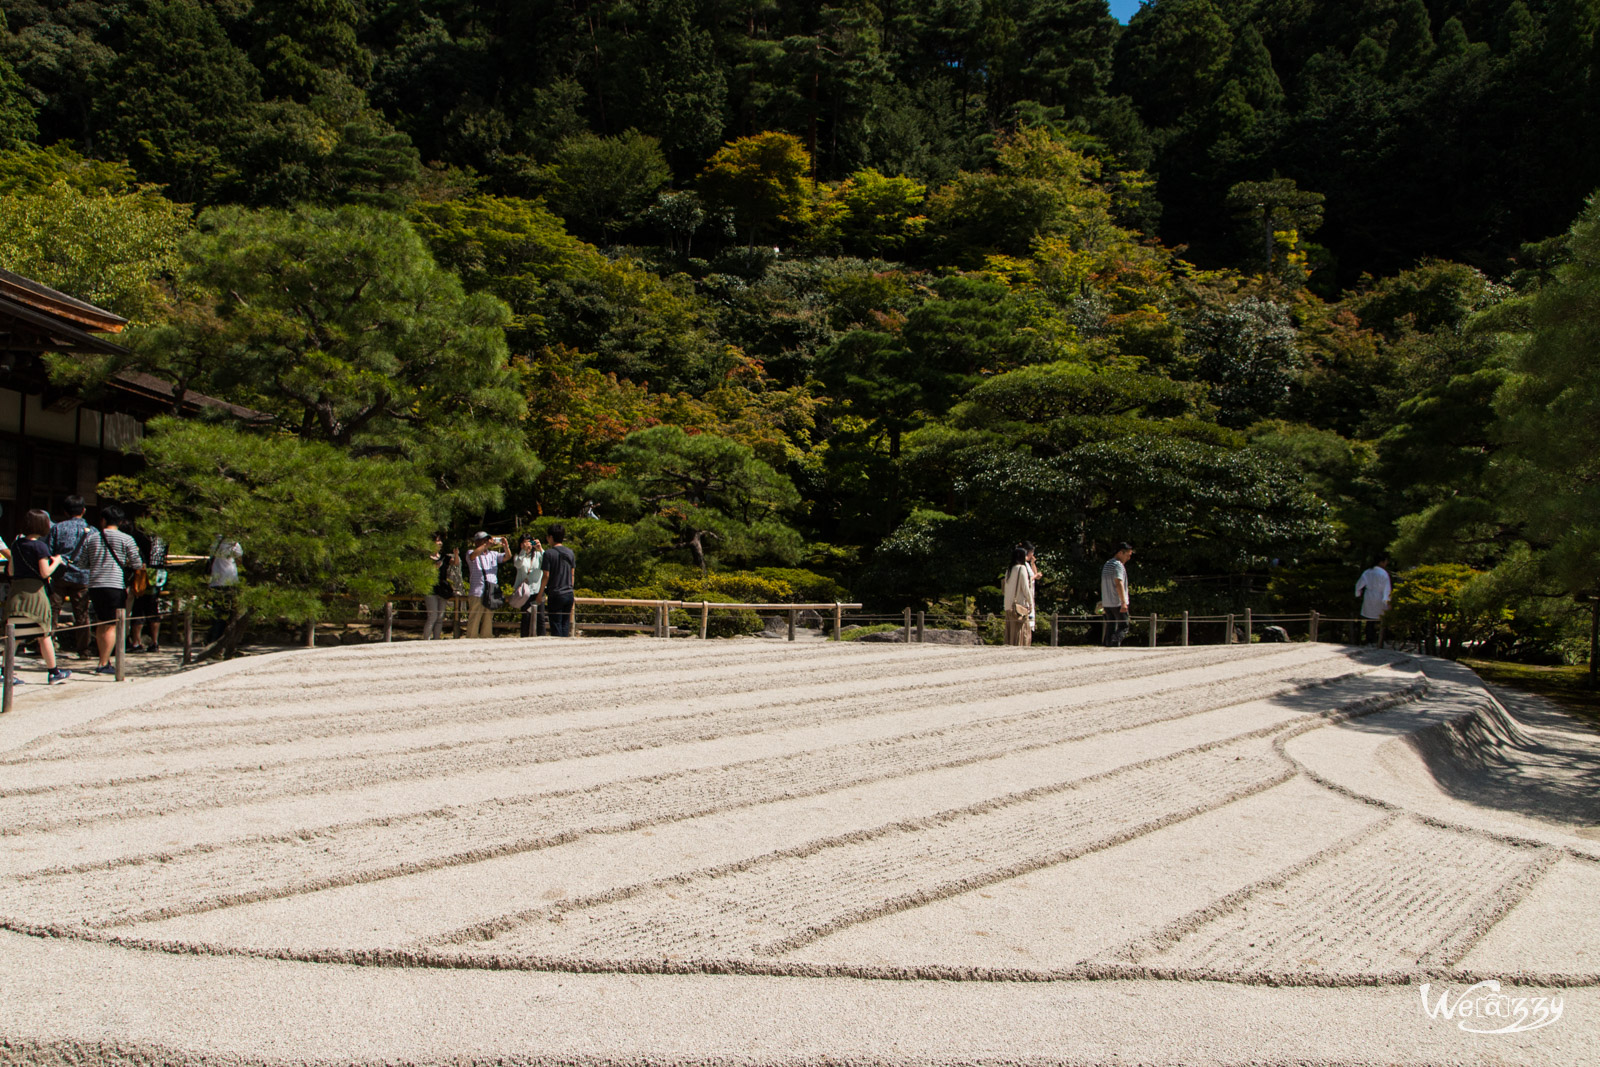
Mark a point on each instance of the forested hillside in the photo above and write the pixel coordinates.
(809, 295)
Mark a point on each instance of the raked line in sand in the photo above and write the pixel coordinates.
(745, 852)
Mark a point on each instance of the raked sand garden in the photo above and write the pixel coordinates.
(748, 852)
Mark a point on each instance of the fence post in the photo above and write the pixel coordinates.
(1186, 629)
(311, 633)
(1380, 635)
(188, 635)
(455, 606)
(572, 620)
(388, 621)
(838, 622)
(1248, 626)
(705, 619)
(122, 640)
(792, 614)
(661, 620)
(1055, 629)
(1153, 625)
(1227, 638)
(906, 625)
(1315, 618)
(10, 665)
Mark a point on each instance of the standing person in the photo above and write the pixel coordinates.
(448, 565)
(224, 584)
(111, 558)
(1114, 595)
(71, 584)
(1019, 598)
(147, 601)
(529, 562)
(483, 582)
(1374, 587)
(31, 568)
(560, 582)
(1034, 575)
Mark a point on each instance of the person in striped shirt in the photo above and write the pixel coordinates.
(1114, 594)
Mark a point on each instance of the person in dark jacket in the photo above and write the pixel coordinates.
(447, 564)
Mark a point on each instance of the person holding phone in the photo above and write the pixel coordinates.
(483, 582)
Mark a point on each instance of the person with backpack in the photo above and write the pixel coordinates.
(70, 585)
(112, 561)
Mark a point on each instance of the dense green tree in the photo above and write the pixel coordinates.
(763, 181)
(110, 248)
(17, 113)
(601, 185)
(176, 96)
(339, 327)
(323, 531)
(1548, 474)
(700, 494)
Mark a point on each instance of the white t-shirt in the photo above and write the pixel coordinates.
(225, 557)
(1374, 588)
(479, 567)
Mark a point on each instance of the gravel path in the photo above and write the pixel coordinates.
(805, 849)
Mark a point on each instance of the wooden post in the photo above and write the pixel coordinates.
(9, 665)
(1380, 636)
(661, 620)
(388, 621)
(1153, 624)
(1186, 629)
(572, 620)
(1594, 641)
(922, 631)
(906, 625)
(122, 641)
(838, 621)
(1227, 638)
(1055, 629)
(188, 635)
(792, 614)
(705, 619)
(455, 606)
(1248, 626)
(311, 633)
(1316, 617)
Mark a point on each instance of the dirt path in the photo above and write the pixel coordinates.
(659, 852)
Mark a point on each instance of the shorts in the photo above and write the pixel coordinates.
(103, 603)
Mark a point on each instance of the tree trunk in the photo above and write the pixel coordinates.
(224, 646)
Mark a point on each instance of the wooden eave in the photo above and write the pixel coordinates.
(42, 298)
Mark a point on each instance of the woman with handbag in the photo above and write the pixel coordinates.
(29, 598)
(144, 588)
(1019, 598)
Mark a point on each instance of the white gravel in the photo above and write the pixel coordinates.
(750, 852)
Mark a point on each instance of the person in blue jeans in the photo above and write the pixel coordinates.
(560, 577)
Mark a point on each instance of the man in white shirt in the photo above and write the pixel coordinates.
(1374, 587)
(483, 577)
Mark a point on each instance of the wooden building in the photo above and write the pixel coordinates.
(56, 441)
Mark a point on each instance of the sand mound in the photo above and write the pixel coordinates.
(742, 821)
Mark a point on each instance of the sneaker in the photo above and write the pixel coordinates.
(152, 648)
(15, 680)
(107, 669)
(57, 676)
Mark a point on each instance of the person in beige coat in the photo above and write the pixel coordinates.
(1019, 599)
